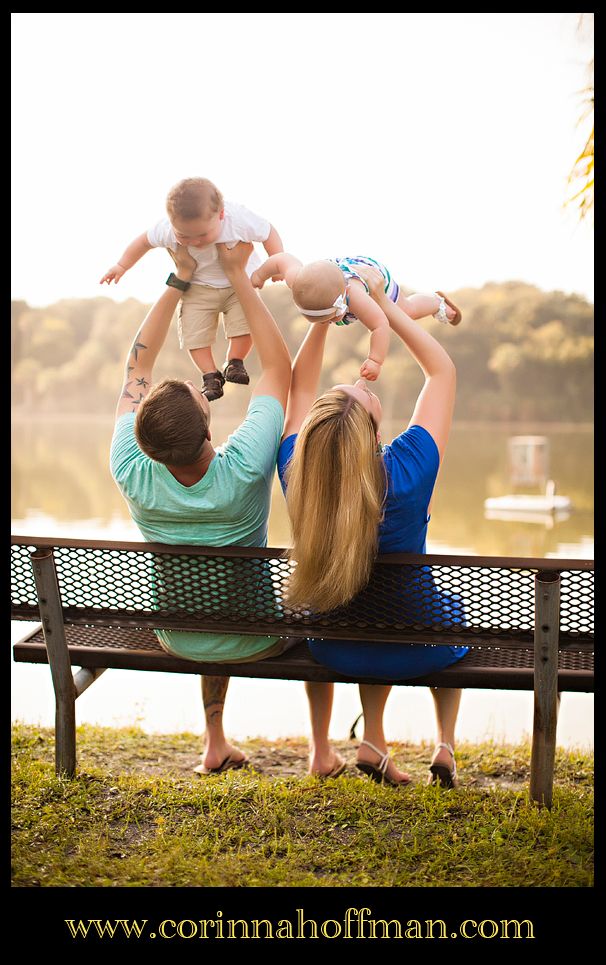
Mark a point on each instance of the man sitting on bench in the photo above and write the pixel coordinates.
(180, 490)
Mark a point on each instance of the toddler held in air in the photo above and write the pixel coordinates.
(333, 291)
(199, 218)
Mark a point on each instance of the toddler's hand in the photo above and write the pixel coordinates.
(114, 274)
(370, 370)
(256, 280)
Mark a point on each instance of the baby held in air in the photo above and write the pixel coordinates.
(333, 291)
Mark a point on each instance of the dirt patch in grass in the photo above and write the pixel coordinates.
(131, 751)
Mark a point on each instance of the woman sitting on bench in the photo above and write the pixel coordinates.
(350, 498)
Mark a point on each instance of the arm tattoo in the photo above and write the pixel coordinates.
(137, 346)
(143, 383)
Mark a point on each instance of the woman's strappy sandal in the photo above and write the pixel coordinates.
(441, 774)
(441, 315)
(378, 773)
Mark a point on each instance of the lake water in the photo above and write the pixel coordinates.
(61, 486)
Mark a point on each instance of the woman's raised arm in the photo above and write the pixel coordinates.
(435, 404)
(305, 378)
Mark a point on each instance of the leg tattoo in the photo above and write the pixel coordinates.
(213, 697)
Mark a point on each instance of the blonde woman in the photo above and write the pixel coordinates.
(350, 498)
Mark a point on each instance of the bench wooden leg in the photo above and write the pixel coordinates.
(65, 737)
(546, 697)
(85, 677)
(58, 657)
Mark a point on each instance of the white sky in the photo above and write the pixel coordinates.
(438, 143)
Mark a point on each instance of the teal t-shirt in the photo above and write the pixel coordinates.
(228, 506)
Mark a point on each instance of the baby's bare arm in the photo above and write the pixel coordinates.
(273, 243)
(375, 320)
(128, 258)
(278, 267)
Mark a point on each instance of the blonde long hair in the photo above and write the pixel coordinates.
(336, 489)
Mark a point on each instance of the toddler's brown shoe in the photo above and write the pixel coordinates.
(212, 385)
(234, 371)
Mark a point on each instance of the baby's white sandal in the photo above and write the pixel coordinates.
(441, 315)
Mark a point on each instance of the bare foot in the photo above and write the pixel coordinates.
(325, 764)
(214, 757)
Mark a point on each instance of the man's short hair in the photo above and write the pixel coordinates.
(170, 426)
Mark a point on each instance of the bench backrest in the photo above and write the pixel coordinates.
(430, 598)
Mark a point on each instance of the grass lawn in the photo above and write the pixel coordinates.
(136, 815)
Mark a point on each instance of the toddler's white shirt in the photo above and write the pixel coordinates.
(239, 224)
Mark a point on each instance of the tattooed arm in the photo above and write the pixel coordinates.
(150, 338)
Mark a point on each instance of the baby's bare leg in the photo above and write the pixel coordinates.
(239, 347)
(420, 305)
(203, 359)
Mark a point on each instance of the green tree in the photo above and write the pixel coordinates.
(520, 353)
(581, 177)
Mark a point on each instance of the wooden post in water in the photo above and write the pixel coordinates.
(546, 639)
(51, 615)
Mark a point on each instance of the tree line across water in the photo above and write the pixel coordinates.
(521, 354)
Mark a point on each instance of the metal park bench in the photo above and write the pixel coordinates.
(528, 622)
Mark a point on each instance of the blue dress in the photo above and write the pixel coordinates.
(411, 461)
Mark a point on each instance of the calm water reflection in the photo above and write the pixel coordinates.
(61, 483)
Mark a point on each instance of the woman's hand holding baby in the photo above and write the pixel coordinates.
(374, 279)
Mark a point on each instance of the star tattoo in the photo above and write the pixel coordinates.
(136, 347)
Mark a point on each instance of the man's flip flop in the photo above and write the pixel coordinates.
(441, 312)
(229, 764)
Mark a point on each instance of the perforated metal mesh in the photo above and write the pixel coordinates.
(23, 586)
(112, 638)
(242, 591)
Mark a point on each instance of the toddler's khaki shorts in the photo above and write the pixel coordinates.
(198, 316)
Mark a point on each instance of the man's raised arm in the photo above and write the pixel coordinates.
(151, 337)
(271, 348)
